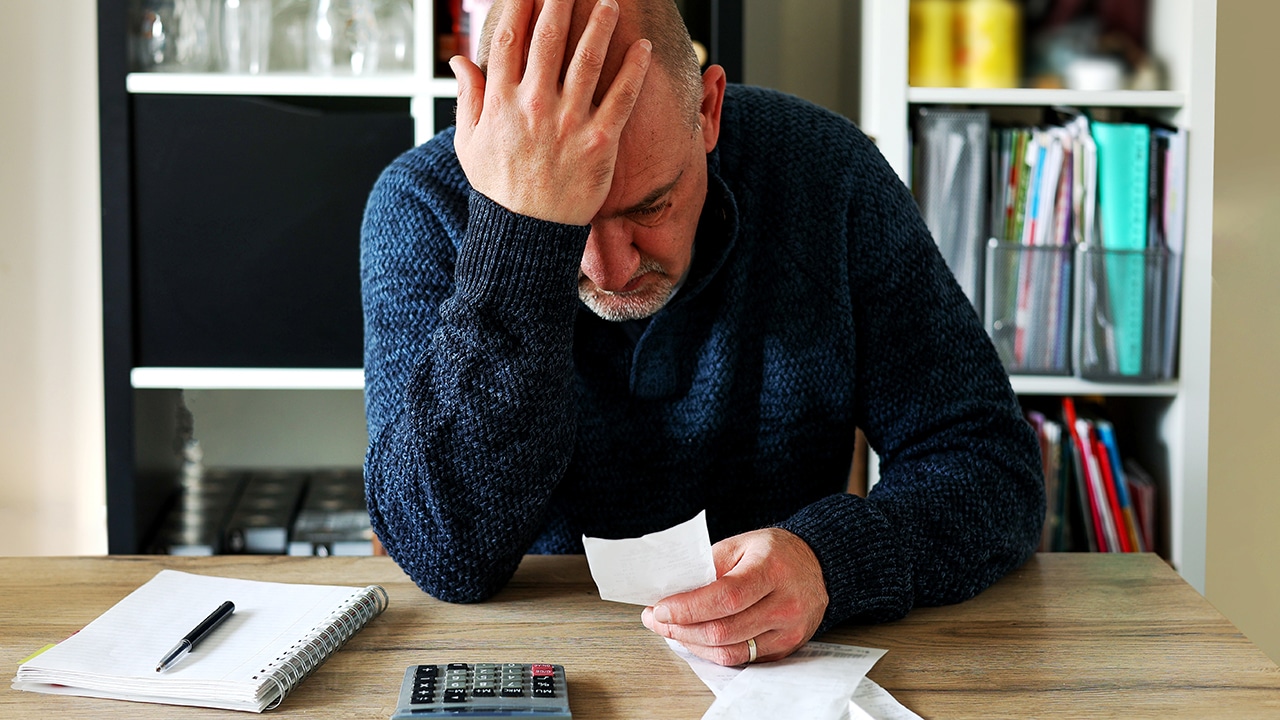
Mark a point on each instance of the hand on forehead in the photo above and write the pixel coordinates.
(626, 33)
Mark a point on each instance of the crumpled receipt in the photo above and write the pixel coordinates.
(820, 681)
(646, 569)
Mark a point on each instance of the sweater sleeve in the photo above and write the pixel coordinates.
(960, 499)
(469, 314)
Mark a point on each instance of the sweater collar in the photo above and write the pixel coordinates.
(717, 233)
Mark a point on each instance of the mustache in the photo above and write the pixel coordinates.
(647, 265)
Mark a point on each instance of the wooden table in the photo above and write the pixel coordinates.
(1069, 635)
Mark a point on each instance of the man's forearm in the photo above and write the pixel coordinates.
(458, 477)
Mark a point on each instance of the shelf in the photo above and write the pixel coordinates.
(1050, 385)
(295, 84)
(1038, 97)
(247, 378)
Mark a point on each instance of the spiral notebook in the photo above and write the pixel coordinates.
(277, 636)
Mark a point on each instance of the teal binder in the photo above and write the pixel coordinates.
(1123, 158)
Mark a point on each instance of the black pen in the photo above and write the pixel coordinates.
(204, 628)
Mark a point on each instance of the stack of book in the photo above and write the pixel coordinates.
(1095, 500)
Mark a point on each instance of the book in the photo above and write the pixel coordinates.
(1090, 521)
(277, 636)
(1049, 434)
(1142, 488)
(1123, 176)
(1108, 539)
(1129, 528)
(1108, 481)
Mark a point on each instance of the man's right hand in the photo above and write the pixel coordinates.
(530, 143)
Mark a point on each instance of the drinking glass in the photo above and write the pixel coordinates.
(395, 35)
(343, 38)
(173, 35)
(289, 31)
(246, 35)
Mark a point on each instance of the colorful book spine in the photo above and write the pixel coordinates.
(1123, 175)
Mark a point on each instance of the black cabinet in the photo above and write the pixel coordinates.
(247, 223)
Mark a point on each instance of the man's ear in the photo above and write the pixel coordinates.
(713, 81)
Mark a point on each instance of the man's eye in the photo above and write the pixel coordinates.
(651, 211)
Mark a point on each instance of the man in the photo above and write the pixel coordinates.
(620, 293)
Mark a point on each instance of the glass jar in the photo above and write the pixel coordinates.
(246, 35)
(343, 38)
(395, 35)
(173, 35)
(289, 31)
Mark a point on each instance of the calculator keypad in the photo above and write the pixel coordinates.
(480, 690)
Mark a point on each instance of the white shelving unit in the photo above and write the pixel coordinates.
(159, 378)
(1182, 38)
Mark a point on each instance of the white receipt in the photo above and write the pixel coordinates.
(646, 569)
(820, 681)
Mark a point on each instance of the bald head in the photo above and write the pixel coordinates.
(658, 21)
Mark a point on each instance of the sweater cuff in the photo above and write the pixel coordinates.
(862, 557)
(518, 261)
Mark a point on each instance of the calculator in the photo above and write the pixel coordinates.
(479, 691)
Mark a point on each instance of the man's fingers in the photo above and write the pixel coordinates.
(722, 631)
(620, 100)
(728, 596)
(767, 648)
(507, 46)
(470, 91)
(588, 58)
(547, 45)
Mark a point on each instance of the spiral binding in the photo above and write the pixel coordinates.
(303, 657)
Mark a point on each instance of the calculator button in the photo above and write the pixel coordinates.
(425, 671)
(456, 666)
(483, 692)
(423, 698)
(542, 671)
(512, 692)
(455, 696)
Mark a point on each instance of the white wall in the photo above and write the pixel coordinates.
(1242, 575)
(804, 47)
(52, 476)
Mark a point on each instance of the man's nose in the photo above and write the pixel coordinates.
(610, 259)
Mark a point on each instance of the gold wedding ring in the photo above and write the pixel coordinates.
(751, 648)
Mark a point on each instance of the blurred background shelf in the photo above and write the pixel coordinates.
(159, 378)
(296, 84)
(1047, 97)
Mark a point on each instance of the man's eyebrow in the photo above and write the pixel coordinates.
(654, 195)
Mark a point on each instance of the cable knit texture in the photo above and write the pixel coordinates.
(505, 418)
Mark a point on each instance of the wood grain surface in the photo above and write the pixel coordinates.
(1068, 635)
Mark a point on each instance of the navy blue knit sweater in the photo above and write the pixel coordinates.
(505, 418)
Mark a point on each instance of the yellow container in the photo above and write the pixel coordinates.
(988, 43)
(931, 57)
